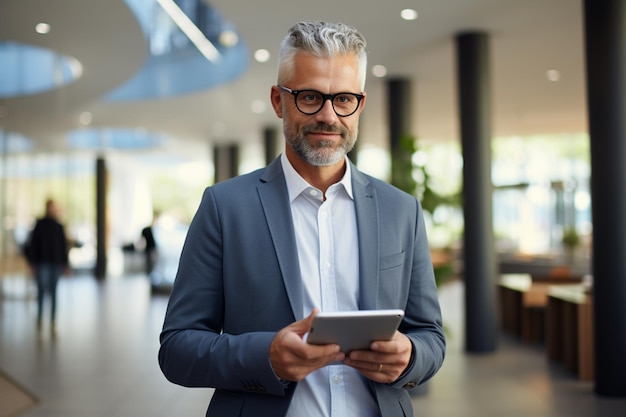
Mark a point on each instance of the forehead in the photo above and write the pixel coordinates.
(327, 74)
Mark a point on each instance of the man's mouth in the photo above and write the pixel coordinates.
(323, 130)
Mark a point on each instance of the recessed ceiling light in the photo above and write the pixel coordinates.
(408, 14)
(262, 55)
(42, 28)
(553, 75)
(379, 71)
(86, 118)
(228, 38)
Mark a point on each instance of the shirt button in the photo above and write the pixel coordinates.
(324, 215)
(326, 265)
(336, 380)
(313, 193)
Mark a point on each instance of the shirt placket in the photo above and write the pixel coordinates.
(328, 287)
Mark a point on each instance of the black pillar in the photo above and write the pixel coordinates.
(226, 162)
(101, 219)
(233, 160)
(474, 77)
(399, 106)
(606, 99)
(270, 141)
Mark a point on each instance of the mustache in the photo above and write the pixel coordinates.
(324, 127)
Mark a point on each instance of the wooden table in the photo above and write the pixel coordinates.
(522, 305)
(569, 329)
(523, 302)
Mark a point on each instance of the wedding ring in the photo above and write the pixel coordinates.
(380, 367)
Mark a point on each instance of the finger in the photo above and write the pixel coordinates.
(293, 359)
(301, 327)
(289, 344)
(379, 372)
(397, 343)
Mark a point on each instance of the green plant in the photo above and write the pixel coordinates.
(571, 238)
(405, 174)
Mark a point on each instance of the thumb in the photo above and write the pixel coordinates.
(301, 327)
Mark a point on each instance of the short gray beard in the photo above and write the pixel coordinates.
(322, 154)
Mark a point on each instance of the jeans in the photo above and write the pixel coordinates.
(47, 275)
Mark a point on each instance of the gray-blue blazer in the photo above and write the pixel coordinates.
(238, 283)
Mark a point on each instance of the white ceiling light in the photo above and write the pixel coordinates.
(86, 118)
(408, 14)
(42, 28)
(553, 75)
(262, 55)
(194, 34)
(229, 38)
(379, 71)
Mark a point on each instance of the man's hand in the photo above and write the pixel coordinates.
(293, 359)
(386, 360)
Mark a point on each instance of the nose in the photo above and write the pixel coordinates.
(327, 112)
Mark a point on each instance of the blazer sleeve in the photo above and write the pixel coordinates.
(423, 321)
(195, 351)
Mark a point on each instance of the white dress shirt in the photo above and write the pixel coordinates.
(326, 238)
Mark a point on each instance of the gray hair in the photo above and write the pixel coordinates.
(321, 39)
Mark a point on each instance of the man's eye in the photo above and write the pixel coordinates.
(310, 97)
(343, 99)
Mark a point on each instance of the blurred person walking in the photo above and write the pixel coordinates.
(48, 258)
(150, 249)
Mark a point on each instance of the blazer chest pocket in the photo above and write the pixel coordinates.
(391, 261)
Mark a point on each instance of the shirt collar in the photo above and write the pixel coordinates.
(296, 184)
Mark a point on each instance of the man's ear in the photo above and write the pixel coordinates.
(362, 103)
(277, 101)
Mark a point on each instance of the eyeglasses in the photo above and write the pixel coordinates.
(310, 102)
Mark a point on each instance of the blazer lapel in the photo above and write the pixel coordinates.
(367, 225)
(275, 201)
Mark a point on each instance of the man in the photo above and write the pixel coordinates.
(266, 251)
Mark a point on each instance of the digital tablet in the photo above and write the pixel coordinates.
(354, 330)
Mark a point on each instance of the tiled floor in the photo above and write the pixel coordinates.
(102, 362)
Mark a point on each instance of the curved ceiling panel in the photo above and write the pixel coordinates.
(181, 73)
(104, 36)
(192, 47)
(28, 69)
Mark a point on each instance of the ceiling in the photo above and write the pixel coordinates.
(528, 38)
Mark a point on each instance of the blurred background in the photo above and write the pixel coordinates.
(156, 88)
(124, 111)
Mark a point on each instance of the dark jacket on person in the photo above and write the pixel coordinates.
(48, 243)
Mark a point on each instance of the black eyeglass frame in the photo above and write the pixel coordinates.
(325, 97)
